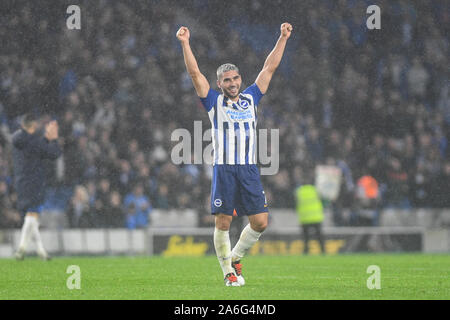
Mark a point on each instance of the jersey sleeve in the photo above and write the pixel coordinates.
(210, 99)
(254, 91)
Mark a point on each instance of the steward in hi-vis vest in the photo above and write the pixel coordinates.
(310, 214)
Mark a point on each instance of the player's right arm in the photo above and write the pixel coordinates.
(200, 82)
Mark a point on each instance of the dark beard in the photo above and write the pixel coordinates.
(226, 94)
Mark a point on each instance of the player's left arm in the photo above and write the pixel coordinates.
(273, 59)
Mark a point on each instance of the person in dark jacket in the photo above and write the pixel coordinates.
(31, 151)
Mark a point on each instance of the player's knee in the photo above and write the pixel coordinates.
(259, 226)
(223, 226)
(262, 226)
(223, 222)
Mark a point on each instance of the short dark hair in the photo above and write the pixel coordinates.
(28, 118)
(224, 68)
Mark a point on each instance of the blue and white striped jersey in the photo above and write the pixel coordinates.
(233, 125)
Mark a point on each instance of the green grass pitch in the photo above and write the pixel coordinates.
(403, 276)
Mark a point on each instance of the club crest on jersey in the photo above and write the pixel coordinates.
(218, 203)
(243, 104)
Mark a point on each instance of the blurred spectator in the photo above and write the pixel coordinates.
(398, 188)
(102, 199)
(114, 214)
(440, 193)
(162, 200)
(9, 216)
(138, 208)
(78, 211)
(418, 79)
(366, 207)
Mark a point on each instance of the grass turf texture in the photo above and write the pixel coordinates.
(403, 276)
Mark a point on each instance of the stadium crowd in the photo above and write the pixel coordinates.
(373, 102)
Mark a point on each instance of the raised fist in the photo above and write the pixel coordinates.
(183, 34)
(286, 29)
